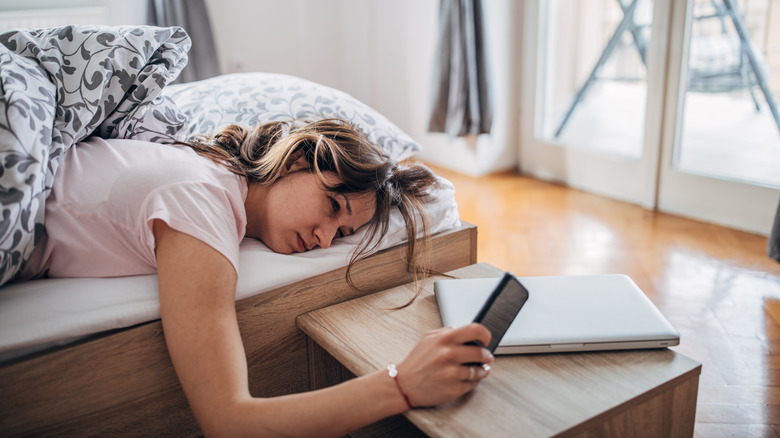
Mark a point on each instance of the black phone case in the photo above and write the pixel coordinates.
(498, 332)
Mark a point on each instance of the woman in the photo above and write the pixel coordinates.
(125, 207)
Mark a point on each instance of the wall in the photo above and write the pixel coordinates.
(118, 12)
(380, 52)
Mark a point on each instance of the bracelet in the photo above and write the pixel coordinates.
(393, 373)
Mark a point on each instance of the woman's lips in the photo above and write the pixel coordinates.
(301, 244)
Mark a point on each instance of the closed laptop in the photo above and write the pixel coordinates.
(565, 313)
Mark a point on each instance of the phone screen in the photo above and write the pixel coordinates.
(501, 308)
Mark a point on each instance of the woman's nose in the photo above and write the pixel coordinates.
(325, 233)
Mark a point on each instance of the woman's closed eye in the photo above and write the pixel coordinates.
(334, 204)
(336, 207)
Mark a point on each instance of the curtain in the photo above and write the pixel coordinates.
(192, 15)
(461, 101)
(774, 237)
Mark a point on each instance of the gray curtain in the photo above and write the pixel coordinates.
(774, 237)
(461, 101)
(193, 16)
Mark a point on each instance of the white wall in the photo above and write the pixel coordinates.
(118, 12)
(382, 53)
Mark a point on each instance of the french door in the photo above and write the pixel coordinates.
(667, 104)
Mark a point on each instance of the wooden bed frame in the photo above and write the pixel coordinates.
(123, 383)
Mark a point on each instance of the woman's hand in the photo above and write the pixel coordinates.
(435, 371)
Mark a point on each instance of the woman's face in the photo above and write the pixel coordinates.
(297, 214)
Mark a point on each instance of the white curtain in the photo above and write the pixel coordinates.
(461, 101)
(192, 15)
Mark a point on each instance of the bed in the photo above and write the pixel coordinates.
(87, 356)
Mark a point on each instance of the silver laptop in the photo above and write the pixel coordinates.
(565, 313)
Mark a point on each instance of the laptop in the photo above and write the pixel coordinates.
(565, 313)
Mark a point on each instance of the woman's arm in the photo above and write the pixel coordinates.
(197, 299)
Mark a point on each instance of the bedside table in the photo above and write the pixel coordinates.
(637, 393)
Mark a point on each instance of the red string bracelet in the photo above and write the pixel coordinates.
(393, 373)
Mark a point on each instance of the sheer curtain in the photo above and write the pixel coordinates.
(461, 102)
(192, 15)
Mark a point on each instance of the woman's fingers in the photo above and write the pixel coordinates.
(442, 366)
(475, 373)
(470, 355)
(457, 344)
(469, 333)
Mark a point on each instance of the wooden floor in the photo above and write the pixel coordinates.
(712, 283)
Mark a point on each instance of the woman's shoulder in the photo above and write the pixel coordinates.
(140, 167)
(137, 155)
(131, 147)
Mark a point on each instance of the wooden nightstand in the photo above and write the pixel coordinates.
(639, 393)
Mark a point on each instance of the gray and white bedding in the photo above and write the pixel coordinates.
(256, 98)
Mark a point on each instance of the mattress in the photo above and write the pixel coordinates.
(40, 314)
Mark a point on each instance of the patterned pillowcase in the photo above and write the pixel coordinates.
(256, 98)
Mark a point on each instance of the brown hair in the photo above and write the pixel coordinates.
(332, 145)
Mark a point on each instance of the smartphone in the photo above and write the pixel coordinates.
(501, 308)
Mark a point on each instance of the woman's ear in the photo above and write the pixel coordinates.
(296, 162)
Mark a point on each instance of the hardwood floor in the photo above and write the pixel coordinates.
(712, 283)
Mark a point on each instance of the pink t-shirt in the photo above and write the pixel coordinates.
(106, 194)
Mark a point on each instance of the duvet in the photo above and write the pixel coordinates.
(61, 85)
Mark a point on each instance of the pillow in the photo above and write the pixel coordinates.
(256, 98)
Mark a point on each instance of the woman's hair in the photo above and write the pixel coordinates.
(261, 153)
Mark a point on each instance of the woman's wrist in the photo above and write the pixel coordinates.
(392, 372)
(383, 393)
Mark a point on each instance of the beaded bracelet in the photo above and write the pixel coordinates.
(393, 373)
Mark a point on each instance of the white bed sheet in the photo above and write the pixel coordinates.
(40, 314)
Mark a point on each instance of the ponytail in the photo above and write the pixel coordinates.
(407, 188)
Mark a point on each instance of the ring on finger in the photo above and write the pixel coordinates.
(471, 374)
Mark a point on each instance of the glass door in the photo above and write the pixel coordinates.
(667, 104)
(721, 145)
(592, 108)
